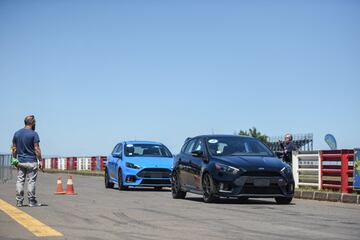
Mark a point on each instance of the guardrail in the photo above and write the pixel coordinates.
(306, 168)
(337, 169)
(6, 172)
(327, 169)
(94, 163)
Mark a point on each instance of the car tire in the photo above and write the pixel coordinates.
(176, 191)
(120, 181)
(108, 184)
(283, 200)
(209, 190)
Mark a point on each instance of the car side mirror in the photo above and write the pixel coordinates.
(116, 155)
(197, 153)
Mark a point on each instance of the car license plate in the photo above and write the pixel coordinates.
(261, 182)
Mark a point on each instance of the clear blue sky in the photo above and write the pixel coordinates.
(96, 72)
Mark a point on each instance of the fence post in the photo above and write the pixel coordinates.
(295, 167)
(319, 170)
(344, 172)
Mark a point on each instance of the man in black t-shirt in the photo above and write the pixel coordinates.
(288, 147)
(25, 147)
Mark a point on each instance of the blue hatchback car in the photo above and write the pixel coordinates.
(139, 163)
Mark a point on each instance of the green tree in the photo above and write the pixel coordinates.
(253, 132)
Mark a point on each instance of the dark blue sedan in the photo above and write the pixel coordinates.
(231, 166)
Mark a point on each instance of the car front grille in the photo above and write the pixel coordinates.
(262, 174)
(250, 189)
(155, 181)
(154, 173)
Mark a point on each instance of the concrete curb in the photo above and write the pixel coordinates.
(327, 196)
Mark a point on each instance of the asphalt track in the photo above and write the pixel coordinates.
(99, 213)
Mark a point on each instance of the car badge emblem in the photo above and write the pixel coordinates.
(261, 168)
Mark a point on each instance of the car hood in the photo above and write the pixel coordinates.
(151, 162)
(253, 163)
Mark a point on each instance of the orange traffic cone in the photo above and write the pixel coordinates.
(59, 188)
(70, 187)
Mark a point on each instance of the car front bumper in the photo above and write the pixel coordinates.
(149, 177)
(257, 187)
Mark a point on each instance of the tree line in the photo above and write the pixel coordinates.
(253, 132)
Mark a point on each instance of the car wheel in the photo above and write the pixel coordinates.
(176, 191)
(108, 184)
(208, 186)
(120, 181)
(283, 200)
(158, 188)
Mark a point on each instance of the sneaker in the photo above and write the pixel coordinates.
(19, 203)
(34, 204)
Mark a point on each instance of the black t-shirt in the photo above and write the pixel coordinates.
(288, 148)
(24, 139)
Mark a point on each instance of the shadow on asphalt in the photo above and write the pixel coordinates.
(27, 205)
(238, 201)
(142, 189)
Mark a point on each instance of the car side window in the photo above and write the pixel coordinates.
(198, 146)
(190, 146)
(117, 149)
(114, 150)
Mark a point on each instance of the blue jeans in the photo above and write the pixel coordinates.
(27, 170)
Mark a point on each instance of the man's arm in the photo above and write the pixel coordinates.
(38, 153)
(13, 150)
(281, 144)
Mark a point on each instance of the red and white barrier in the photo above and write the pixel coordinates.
(336, 169)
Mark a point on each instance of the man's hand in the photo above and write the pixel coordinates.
(38, 156)
(40, 166)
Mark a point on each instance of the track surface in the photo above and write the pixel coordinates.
(99, 213)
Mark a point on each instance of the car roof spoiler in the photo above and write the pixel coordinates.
(187, 139)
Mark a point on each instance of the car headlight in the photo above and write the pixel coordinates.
(286, 170)
(131, 165)
(226, 168)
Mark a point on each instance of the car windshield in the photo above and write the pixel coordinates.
(237, 146)
(146, 150)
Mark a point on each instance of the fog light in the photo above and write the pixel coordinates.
(130, 179)
(225, 188)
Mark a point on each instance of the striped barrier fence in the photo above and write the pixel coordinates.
(306, 168)
(94, 163)
(337, 170)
